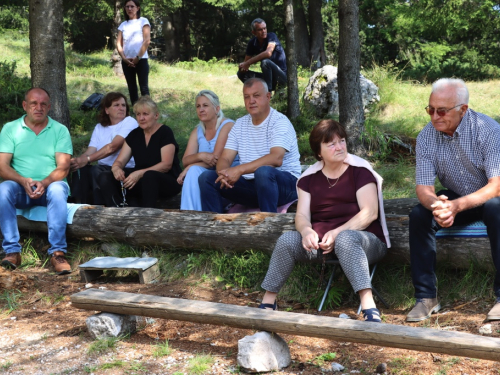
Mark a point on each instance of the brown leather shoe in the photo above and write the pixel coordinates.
(60, 264)
(423, 309)
(494, 313)
(12, 260)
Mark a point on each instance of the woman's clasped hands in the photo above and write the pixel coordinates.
(310, 240)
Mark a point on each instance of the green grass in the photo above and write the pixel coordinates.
(4, 366)
(162, 349)
(200, 364)
(399, 178)
(114, 364)
(29, 255)
(398, 365)
(325, 357)
(10, 300)
(103, 345)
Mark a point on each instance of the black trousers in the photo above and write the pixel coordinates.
(145, 193)
(423, 230)
(141, 70)
(271, 73)
(84, 185)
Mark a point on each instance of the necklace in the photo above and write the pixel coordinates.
(328, 180)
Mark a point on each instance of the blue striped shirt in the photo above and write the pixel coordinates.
(463, 162)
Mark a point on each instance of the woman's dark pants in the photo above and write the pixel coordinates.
(141, 70)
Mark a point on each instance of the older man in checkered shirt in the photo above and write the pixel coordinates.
(462, 148)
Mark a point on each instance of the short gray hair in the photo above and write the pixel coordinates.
(146, 101)
(462, 94)
(257, 20)
(214, 99)
(251, 81)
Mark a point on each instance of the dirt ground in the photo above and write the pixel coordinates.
(46, 335)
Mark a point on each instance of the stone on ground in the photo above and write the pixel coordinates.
(263, 352)
(337, 367)
(110, 325)
(322, 91)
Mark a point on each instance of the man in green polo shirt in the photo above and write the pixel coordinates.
(35, 153)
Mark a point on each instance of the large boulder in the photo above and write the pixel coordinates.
(110, 325)
(263, 352)
(322, 91)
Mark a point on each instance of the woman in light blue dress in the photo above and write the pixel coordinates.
(204, 147)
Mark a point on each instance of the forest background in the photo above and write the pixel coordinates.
(427, 39)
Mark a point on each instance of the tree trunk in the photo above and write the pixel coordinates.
(172, 51)
(115, 57)
(301, 34)
(293, 109)
(174, 229)
(47, 59)
(351, 111)
(317, 50)
(186, 31)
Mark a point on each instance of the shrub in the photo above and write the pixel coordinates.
(14, 18)
(12, 89)
(430, 61)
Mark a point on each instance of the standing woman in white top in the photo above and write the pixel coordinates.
(105, 144)
(132, 45)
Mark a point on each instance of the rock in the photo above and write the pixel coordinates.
(322, 91)
(110, 325)
(486, 330)
(344, 316)
(263, 352)
(381, 369)
(337, 367)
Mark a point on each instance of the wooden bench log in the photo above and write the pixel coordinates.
(403, 337)
(241, 232)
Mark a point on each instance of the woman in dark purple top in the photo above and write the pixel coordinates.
(157, 166)
(337, 216)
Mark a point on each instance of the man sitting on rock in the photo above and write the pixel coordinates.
(266, 48)
(267, 146)
(35, 153)
(460, 147)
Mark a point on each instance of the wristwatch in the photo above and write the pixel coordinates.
(88, 159)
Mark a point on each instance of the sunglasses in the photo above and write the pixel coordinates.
(440, 111)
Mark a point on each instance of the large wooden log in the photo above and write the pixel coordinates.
(240, 232)
(404, 337)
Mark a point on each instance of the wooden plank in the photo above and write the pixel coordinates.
(149, 275)
(403, 337)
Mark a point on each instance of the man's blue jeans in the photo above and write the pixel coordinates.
(13, 195)
(423, 230)
(271, 73)
(269, 189)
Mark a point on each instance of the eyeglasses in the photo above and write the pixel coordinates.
(440, 111)
(129, 6)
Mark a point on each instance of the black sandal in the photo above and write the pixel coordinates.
(372, 315)
(268, 305)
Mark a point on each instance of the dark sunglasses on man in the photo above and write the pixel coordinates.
(440, 111)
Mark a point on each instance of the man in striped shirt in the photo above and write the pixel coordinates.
(266, 143)
(462, 148)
